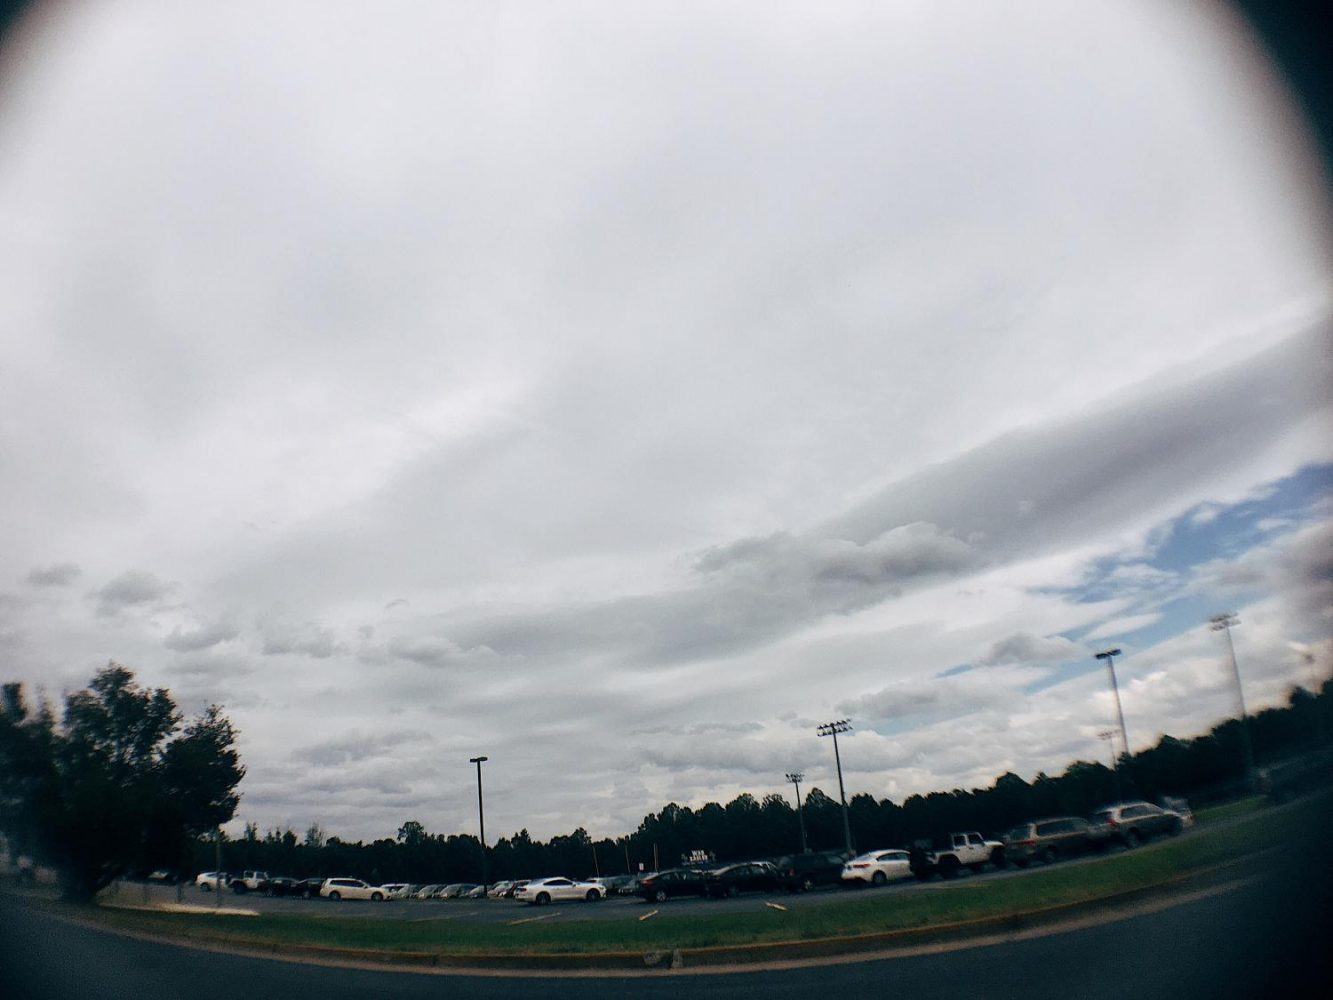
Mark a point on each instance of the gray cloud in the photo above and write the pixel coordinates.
(309, 639)
(201, 638)
(356, 747)
(1024, 647)
(1144, 455)
(436, 651)
(131, 589)
(56, 575)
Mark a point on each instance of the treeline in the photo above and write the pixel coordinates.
(1206, 768)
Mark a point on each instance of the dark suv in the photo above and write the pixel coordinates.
(1047, 839)
(802, 872)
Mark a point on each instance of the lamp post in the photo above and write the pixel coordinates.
(833, 729)
(795, 777)
(1109, 656)
(481, 820)
(1109, 736)
(1224, 623)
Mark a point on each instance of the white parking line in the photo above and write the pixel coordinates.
(530, 920)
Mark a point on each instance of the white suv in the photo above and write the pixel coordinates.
(350, 888)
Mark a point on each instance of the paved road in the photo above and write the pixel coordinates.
(1268, 938)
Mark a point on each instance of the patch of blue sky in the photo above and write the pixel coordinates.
(962, 668)
(1157, 583)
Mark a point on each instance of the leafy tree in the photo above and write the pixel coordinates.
(118, 786)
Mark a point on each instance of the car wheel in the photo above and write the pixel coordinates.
(976, 868)
(335, 895)
(377, 897)
(660, 896)
(239, 888)
(592, 896)
(879, 878)
(1048, 856)
(1177, 827)
(1022, 862)
(1132, 839)
(997, 857)
(733, 891)
(205, 887)
(949, 867)
(543, 898)
(807, 883)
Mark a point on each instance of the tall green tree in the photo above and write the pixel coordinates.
(119, 785)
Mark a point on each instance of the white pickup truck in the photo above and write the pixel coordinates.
(949, 855)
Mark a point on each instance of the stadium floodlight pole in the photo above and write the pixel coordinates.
(1109, 736)
(1109, 656)
(1224, 623)
(796, 777)
(481, 821)
(833, 729)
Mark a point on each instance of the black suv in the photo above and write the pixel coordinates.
(802, 872)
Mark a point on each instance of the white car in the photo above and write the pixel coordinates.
(878, 867)
(209, 881)
(395, 890)
(541, 891)
(350, 888)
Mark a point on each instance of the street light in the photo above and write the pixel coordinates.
(833, 729)
(1109, 656)
(1224, 623)
(1109, 736)
(481, 819)
(796, 777)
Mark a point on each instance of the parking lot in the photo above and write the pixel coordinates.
(506, 910)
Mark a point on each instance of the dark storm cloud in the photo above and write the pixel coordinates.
(57, 575)
(132, 589)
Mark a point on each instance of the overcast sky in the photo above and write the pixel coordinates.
(621, 390)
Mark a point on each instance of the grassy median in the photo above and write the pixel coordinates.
(870, 912)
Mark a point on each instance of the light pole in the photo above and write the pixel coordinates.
(1224, 623)
(1109, 736)
(833, 729)
(481, 820)
(795, 777)
(1109, 656)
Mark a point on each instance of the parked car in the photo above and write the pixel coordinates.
(749, 876)
(877, 867)
(249, 881)
(613, 883)
(395, 890)
(282, 886)
(351, 888)
(499, 889)
(451, 890)
(1284, 780)
(1046, 840)
(949, 855)
(661, 886)
(310, 887)
(211, 881)
(513, 889)
(540, 891)
(427, 891)
(476, 892)
(1180, 807)
(802, 872)
(1132, 823)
